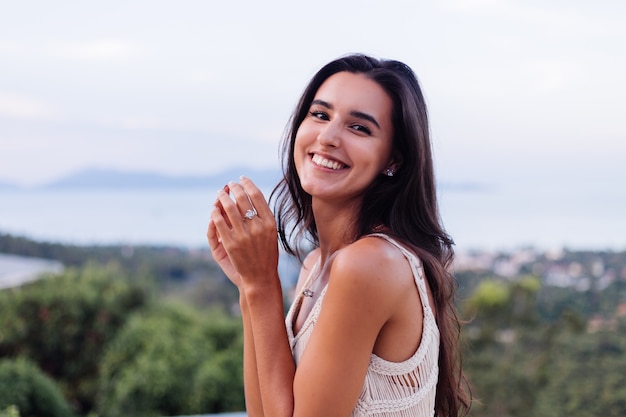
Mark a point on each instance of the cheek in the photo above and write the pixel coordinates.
(386, 153)
(302, 141)
(298, 149)
(374, 157)
(299, 152)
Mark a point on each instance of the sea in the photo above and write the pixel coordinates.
(477, 218)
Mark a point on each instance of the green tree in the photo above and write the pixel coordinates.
(173, 360)
(25, 390)
(10, 411)
(63, 324)
(504, 339)
(588, 377)
(192, 274)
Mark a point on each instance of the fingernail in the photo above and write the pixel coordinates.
(243, 177)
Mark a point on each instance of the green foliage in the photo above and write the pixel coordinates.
(490, 295)
(505, 378)
(590, 380)
(529, 284)
(25, 390)
(10, 411)
(520, 365)
(178, 273)
(63, 324)
(173, 360)
(93, 331)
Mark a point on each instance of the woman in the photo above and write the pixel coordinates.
(373, 329)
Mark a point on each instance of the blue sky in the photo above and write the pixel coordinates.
(526, 92)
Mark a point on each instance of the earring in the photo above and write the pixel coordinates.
(389, 172)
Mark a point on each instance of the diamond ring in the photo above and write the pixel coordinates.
(250, 214)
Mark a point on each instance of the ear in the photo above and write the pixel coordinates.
(394, 165)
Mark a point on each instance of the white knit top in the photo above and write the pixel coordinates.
(390, 389)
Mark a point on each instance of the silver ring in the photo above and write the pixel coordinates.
(250, 214)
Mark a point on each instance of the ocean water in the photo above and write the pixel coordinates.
(486, 218)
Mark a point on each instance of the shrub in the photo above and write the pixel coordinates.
(63, 324)
(10, 411)
(25, 390)
(172, 360)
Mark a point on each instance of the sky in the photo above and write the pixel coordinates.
(519, 92)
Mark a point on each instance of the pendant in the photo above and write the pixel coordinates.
(307, 292)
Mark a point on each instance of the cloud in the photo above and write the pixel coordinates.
(22, 107)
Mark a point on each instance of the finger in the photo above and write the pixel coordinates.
(223, 232)
(256, 198)
(219, 206)
(212, 235)
(242, 199)
(229, 212)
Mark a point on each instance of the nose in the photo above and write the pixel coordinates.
(329, 135)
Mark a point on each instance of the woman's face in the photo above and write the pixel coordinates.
(345, 140)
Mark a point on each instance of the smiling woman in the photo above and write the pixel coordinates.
(373, 329)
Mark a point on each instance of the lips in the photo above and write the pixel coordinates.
(327, 163)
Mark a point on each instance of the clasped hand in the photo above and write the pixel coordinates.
(242, 235)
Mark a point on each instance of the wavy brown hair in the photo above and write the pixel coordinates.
(405, 205)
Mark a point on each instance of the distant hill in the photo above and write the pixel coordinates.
(100, 178)
(114, 179)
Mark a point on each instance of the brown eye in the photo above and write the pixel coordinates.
(319, 115)
(363, 129)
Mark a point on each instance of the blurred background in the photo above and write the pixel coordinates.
(120, 120)
(525, 101)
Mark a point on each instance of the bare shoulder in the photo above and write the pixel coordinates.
(374, 265)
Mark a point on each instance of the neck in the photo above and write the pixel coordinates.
(335, 226)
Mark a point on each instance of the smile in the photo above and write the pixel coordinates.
(327, 163)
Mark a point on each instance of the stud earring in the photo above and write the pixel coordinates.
(389, 172)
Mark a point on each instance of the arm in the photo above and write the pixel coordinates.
(251, 380)
(250, 352)
(274, 361)
(247, 251)
(252, 392)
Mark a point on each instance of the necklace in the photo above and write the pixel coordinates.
(307, 292)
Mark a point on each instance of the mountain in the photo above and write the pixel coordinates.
(114, 179)
(101, 178)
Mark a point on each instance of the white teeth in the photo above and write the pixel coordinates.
(326, 163)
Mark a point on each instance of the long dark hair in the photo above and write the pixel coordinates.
(404, 205)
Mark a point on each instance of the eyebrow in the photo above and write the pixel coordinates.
(357, 114)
